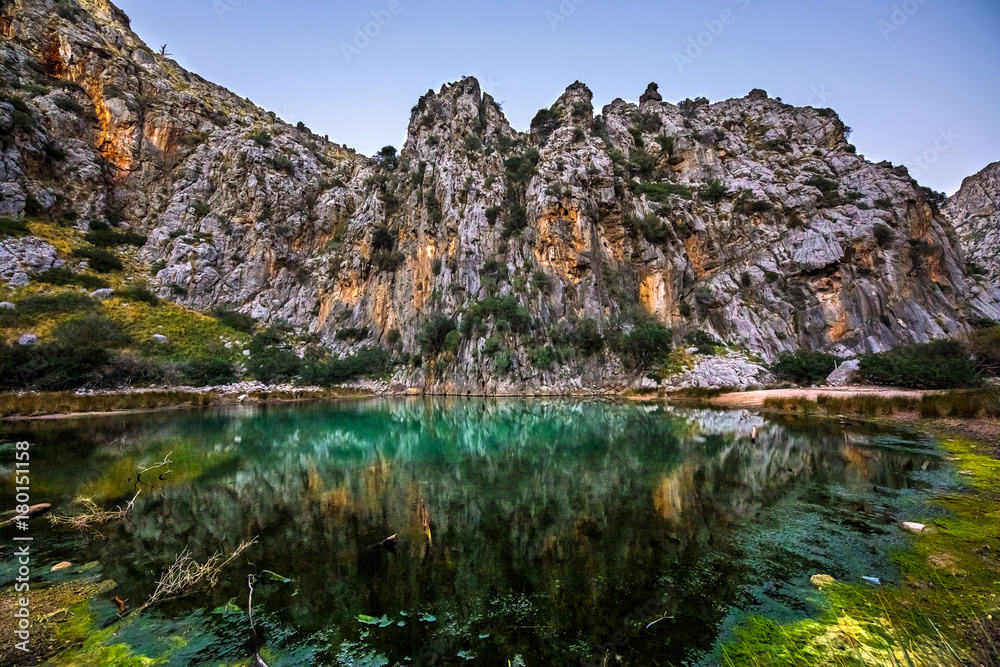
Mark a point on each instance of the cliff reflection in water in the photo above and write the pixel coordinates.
(555, 526)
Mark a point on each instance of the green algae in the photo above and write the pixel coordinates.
(944, 613)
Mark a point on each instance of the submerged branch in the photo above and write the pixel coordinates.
(186, 574)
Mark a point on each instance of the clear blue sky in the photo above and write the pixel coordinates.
(912, 77)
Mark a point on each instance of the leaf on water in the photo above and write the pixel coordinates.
(427, 618)
(384, 622)
(484, 636)
(277, 577)
(367, 620)
(466, 655)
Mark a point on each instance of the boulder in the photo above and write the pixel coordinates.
(102, 294)
(822, 580)
(160, 338)
(6, 305)
(844, 374)
(28, 340)
(19, 280)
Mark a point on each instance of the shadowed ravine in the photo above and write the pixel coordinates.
(558, 529)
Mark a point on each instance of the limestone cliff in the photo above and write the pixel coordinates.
(975, 212)
(751, 220)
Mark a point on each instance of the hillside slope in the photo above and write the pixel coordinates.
(489, 259)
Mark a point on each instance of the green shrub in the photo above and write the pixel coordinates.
(200, 208)
(234, 319)
(208, 372)
(138, 292)
(542, 358)
(105, 238)
(521, 168)
(52, 366)
(13, 228)
(68, 104)
(661, 192)
(261, 137)
(283, 163)
(650, 227)
(941, 364)
(685, 310)
(92, 330)
(62, 277)
(647, 343)
(392, 337)
(884, 235)
(545, 122)
(432, 337)
(492, 345)
(586, 337)
(29, 310)
(472, 143)
(326, 370)
(984, 345)
(805, 367)
(98, 259)
(515, 221)
(386, 261)
(643, 163)
(705, 342)
(667, 144)
(714, 192)
(352, 334)
(270, 361)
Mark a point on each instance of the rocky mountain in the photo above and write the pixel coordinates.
(975, 212)
(492, 260)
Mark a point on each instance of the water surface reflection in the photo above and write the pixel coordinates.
(551, 530)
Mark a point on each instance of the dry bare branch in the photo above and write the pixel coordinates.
(94, 516)
(186, 574)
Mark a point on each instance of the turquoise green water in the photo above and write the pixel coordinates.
(561, 533)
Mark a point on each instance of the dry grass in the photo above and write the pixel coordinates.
(966, 404)
(67, 402)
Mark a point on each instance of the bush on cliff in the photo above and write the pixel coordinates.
(646, 344)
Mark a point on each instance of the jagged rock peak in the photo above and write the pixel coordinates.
(576, 105)
(456, 111)
(652, 94)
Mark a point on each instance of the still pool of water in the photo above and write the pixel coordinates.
(526, 532)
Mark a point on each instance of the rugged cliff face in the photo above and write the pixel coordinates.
(751, 220)
(975, 211)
